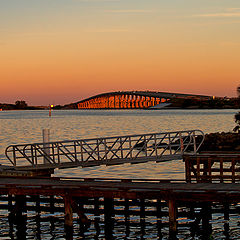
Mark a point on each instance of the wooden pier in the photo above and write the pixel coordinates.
(212, 182)
(110, 197)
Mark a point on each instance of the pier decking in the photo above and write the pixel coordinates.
(125, 188)
(77, 192)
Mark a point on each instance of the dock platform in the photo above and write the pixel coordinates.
(116, 196)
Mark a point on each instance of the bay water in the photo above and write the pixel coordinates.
(19, 127)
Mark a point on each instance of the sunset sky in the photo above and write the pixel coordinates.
(61, 51)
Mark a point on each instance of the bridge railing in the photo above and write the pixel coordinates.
(108, 151)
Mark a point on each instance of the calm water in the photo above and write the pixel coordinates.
(18, 127)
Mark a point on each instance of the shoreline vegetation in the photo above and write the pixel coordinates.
(221, 141)
(178, 103)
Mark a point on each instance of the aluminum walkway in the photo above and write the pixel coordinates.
(105, 151)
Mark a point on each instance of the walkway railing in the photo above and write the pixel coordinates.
(105, 151)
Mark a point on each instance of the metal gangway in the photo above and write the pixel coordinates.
(132, 149)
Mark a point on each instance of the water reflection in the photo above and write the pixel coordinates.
(53, 228)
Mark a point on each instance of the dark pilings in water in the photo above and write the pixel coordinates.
(68, 211)
(172, 217)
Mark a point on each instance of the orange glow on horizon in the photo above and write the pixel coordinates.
(105, 51)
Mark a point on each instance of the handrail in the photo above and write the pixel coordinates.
(106, 150)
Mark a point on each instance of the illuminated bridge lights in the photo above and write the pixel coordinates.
(131, 100)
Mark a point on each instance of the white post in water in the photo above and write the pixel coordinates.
(46, 146)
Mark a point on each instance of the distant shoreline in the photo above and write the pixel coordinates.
(183, 104)
(152, 109)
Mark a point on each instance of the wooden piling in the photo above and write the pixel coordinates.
(187, 169)
(51, 202)
(108, 209)
(108, 214)
(172, 216)
(96, 206)
(10, 205)
(142, 208)
(159, 217)
(226, 211)
(19, 207)
(126, 209)
(159, 214)
(37, 199)
(206, 216)
(191, 211)
(78, 208)
(68, 211)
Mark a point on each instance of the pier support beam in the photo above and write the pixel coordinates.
(68, 211)
(78, 208)
(108, 214)
(226, 210)
(126, 209)
(172, 217)
(108, 209)
(159, 217)
(19, 207)
(10, 205)
(16, 216)
(206, 216)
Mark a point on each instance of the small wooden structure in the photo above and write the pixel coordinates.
(212, 167)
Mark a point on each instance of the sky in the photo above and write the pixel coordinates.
(62, 51)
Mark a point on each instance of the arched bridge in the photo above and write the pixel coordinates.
(132, 100)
